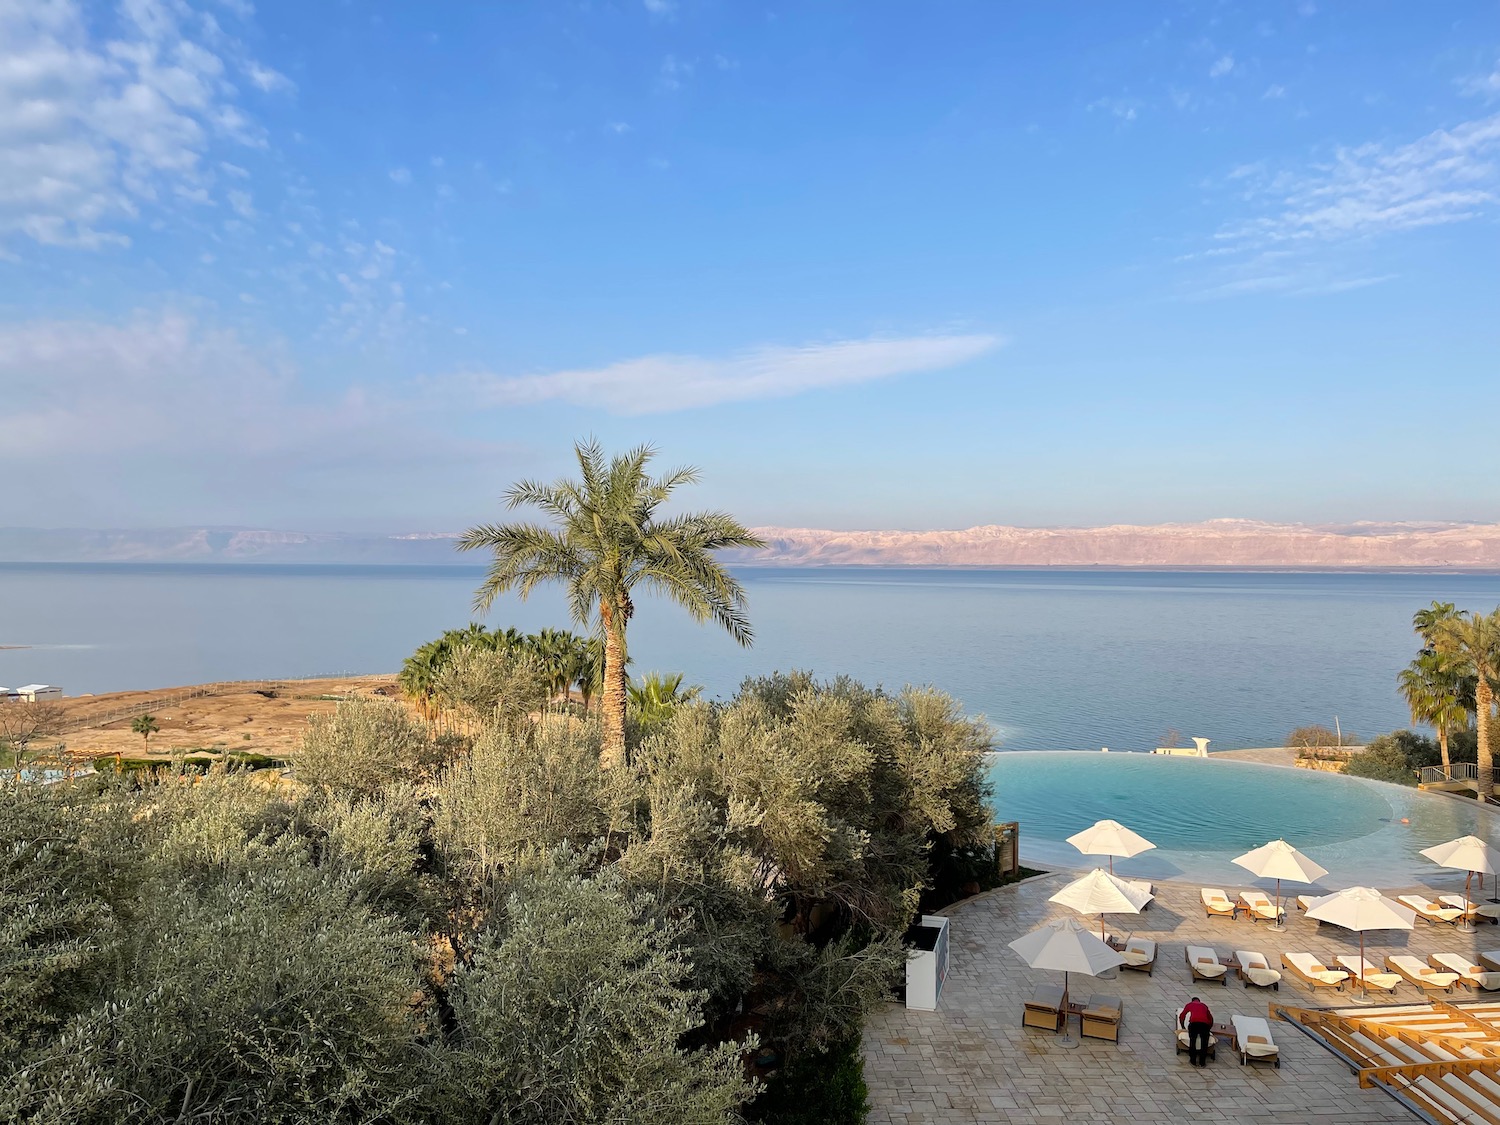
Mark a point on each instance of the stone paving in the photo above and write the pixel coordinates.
(971, 1061)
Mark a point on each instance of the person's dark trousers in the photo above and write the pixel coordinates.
(1198, 1034)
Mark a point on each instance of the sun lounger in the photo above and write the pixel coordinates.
(1205, 965)
(1045, 1009)
(1260, 907)
(1184, 1044)
(1470, 975)
(1101, 1019)
(1366, 970)
(1312, 972)
(1304, 902)
(1216, 903)
(1142, 885)
(1489, 911)
(1255, 969)
(1423, 976)
(1491, 960)
(1430, 910)
(1139, 954)
(1253, 1042)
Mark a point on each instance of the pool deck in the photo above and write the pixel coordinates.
(972, 1062)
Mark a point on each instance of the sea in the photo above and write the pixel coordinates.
(1051, 658)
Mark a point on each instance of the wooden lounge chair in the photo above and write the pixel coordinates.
(1260, 907)
(1423, 976)
(1491, 960)
(1363, 969)
(1470, 975)
(1101, 1019)
(1139, 954)
(1144, 886)
(1216, 903)
(1184, 1044)
(1430, 910)
(1046, 1009)
(1312, 972)
(1204, 963)
(1253, 1042)
(1304, 902)
(1474, 911)
(1255, 969)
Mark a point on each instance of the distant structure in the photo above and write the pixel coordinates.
(1201, 750)
(32, 693)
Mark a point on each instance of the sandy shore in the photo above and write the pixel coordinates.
(270, 720)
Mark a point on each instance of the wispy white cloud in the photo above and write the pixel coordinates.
(1448, 176)
(1274, 92)
(1123, 109)
(660, 8)
(673, 72)
(400, 175)
(1486, 86)
(618, 127)
(97, 129)
(269, 81)
(1223, 65)
(151, 415)
(660, 383)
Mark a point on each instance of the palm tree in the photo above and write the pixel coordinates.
(1473, 640)
(145, 726)
(1426, 622)
(654, 697)
(1434, 689)
(606, 541)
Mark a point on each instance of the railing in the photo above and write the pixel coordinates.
(1459, 771)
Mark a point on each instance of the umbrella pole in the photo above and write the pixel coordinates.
(1467, 925)
(1364, 993)
(1066, 1040)
(1494, 887)
(1276, 923)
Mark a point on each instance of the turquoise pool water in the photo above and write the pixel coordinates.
(1201, 813)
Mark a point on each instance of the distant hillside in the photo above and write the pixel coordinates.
(1226, 543)
(1221, 543)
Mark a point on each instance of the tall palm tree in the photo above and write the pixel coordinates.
(605, 542)
(145, 726)
(1473, 640)
(1433, 685)
(1426, 622)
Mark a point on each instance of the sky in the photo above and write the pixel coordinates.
(361, 265)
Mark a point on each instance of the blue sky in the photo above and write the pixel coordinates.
(360, 265)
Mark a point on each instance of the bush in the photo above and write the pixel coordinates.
(363, 746)
(818, 1089)
(1396, 757)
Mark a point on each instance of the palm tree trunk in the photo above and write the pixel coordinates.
(1443, 749)
(612, 753)
(1484, 698)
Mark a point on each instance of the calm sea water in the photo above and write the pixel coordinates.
(1054, 658)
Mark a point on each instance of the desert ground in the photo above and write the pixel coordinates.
(261, 718)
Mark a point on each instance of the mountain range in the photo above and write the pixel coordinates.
(1212, 543)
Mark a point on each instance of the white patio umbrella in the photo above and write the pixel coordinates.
(1111, 838)
(1101, 893)
(1361, 909)
(1279, 860)
(1065, 945)
(1467, 854)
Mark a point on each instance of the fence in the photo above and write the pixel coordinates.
(1459, 771)
(1008, 848)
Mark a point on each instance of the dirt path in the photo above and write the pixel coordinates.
(262, 718)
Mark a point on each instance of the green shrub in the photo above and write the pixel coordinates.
(1394, 757)
(818, 1089)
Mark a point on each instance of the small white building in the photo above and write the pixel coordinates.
(7, 695)
(37, 693)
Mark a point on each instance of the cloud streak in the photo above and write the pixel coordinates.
(661, 383)
(1448, 176)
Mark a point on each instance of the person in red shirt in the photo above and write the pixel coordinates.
(1199, 1022)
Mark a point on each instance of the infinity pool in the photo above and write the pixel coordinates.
(1201, 813)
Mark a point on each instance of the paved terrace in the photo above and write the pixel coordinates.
(971, 1061)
